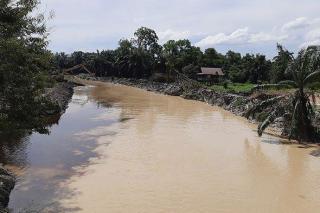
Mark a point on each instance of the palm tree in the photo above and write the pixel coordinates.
(136, 64)
(304, 70)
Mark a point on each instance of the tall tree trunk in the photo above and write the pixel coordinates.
(305, 128)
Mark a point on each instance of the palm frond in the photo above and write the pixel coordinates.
(270, 86)
(266, 123)
(262, 105)
(312, 77)
(291, 70)
(288, 82)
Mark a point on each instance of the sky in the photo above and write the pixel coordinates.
(245, 26)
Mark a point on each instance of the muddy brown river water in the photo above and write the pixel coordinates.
(122, 149)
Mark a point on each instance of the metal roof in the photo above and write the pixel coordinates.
(211, 71)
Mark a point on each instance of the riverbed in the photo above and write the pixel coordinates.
(123, 149)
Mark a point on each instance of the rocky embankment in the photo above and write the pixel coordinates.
(60, 96)
(7, 182)
(239, 104)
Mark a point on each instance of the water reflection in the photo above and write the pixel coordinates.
(127, 150)
(13, 149)
(14, 143)
(44, 163)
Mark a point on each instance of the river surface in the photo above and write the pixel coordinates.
(122, 149)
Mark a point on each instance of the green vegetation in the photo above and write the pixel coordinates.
(142, 57)
(233, 87)
(304, 70)
(280, 64)
(24, 62)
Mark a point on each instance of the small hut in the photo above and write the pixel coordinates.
(211, 75)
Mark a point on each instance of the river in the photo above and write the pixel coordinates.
(122, 149)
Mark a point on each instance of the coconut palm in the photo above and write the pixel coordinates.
(304, 70)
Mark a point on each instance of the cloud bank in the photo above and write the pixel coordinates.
(239, 37)
(240, 25)
(302, 31)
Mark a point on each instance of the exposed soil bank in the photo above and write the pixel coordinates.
(60, 95)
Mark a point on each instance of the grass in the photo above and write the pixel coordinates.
(247, 88)
(233, 87)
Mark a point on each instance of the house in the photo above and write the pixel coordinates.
(211, 74)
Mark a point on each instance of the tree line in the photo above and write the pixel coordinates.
(143, 57)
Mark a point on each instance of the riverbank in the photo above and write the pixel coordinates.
(7, 182)
(58, 95)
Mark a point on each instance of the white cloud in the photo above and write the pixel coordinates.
(239, 36)
(310, 43)
(300, 32)
(236, 37)
(173, 35)
(311, 38)
(313, 34)
(298, 23)
(266, 37)
(100, 24)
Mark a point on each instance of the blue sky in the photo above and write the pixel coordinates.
(252, 26)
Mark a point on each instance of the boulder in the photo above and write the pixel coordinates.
(7, 182)
(174, 90)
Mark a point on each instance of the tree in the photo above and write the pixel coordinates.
(179, 54)
(77, 58)
(146, 39)
(139, 64)
(191, 71)
(122, 57)
(211, 58)
(280, 64)
(259, 69)
(108, 58)
(146, 45)
(24, 62)
(305, 70)
(61, 60)
(170, 52)
(231, 59)
(236, 74)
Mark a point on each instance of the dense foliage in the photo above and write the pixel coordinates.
(24, 61)
(280, 65)
(304, 70)
(143, 57)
